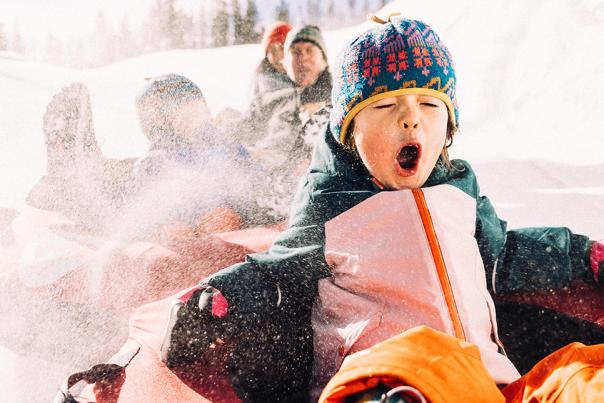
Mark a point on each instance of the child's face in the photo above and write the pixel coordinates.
(400, 138)
(190, 116)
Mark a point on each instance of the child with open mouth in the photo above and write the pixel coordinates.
(385, 277)
(391, 253)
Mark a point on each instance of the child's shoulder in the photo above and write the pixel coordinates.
(462, 165)
(458, 173)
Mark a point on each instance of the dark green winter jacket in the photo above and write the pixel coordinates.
(271, 294)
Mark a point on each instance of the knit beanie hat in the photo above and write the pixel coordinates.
(156, 103)
(171, 88)
(397, 57)
(307, 33)
(277, 32)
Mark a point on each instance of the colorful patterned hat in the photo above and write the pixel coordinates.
(396, 58)
(170, 88)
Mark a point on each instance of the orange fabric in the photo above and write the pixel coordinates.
(220, 219)
(446, 369)
(574, 373)
(443, 367)
(439, 262)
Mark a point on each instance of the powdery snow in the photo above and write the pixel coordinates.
(530, 85)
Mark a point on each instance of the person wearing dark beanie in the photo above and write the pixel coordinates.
(287, 112)
(301, 113)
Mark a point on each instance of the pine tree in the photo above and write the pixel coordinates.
(187, 27)
(331, 11)
(3, 44)
(76, 55)
(313, 12)
(201, 29)
(220, 26)
(366, 7)
(125, 41)
(282, 11)
(153, 37)
(104, 41)
(54, 50)
(32, 47)
(172, 28)
(249, 23)
(17, 43)
(237, 22)
(352, 5)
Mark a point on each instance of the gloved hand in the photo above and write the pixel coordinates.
(596, 260)
(196, 322)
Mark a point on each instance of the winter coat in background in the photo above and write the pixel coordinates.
(271, 295)
(266, 81)
(275, 134)
(282, 138)
(190, 179)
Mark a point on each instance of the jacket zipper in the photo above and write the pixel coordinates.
(439, 262)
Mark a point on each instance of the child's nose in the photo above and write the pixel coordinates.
(409, 119)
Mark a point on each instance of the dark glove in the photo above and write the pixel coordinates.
(197, 321)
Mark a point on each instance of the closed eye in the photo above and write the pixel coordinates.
(430, 104)
(383, 106)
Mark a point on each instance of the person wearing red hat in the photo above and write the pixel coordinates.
(269, 78)
(272, 42)
(270, 73)
(289, 106)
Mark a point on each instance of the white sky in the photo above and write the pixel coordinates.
(65, 18)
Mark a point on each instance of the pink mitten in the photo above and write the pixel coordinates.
(596, 259)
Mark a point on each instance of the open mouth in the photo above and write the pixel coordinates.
(408, 157)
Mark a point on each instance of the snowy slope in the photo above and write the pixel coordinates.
(530, 91)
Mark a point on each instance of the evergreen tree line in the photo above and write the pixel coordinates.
(168, 26)
(12, 42)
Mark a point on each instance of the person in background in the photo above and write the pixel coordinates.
(269, 77)
(280, 136)
(285, 139)
(194, 178)
(56, 239)
(270, 74)
(79, 181)
(389, 241)
(306, 64)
